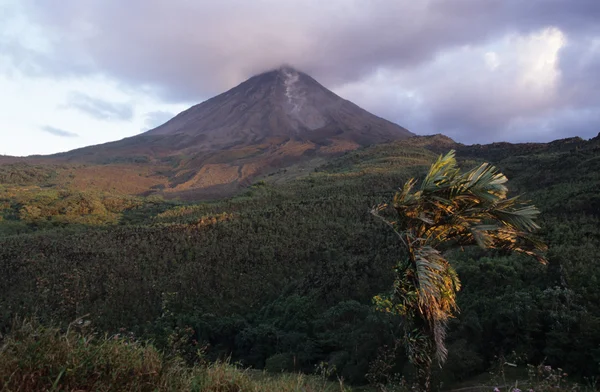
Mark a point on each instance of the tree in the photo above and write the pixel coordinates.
(450, 209)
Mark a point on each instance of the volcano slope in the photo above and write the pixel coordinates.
(276, 120)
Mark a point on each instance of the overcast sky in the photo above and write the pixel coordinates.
(81, 72)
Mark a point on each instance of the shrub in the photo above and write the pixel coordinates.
(37, 358)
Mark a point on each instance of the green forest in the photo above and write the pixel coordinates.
(281, 277)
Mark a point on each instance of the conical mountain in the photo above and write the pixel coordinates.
(270, 121)
(283, 103)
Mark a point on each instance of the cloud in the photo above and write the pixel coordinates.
(519, 88)
(156, 118)
(190, 49)
(58, 132)
(472, 67)
(100, 109)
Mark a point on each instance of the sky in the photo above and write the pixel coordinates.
(81, 72)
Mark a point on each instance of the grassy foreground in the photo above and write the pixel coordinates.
(36, 358)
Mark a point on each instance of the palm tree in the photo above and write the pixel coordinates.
(449, 209)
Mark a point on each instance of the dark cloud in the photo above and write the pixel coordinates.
(58, 132)
(580, 68)
(100, 109)
(539, 86)
(432, 52)
(154, 119)
(190, 49)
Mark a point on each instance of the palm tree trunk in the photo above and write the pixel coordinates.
(424, 377)
(424, 362)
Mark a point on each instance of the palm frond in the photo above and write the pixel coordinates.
(521, 218)
(439, 334)
(401, 197)
(437, 284)
(440, 172)
(485, 182)
(517, 241)
(481, 234)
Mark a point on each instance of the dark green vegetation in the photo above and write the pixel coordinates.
(282, 276)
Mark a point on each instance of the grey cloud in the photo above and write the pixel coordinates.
(100, 109)
(156, 118)
(58, 132)
(187, 51)
(580, 68)
(458, 94)
(190, 49)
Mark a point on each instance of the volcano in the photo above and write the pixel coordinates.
(283, 103)
(272, 120)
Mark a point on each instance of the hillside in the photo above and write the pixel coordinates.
(281, 276)
(272, 121)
